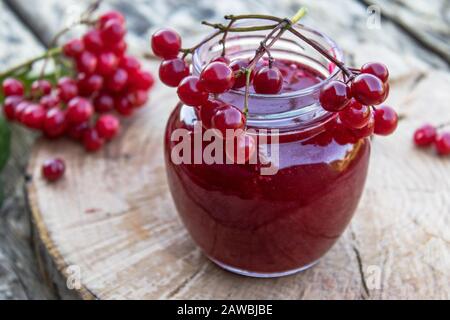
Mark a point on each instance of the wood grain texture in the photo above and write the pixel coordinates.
(112, 215)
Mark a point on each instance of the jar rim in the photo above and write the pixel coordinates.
(334, 48)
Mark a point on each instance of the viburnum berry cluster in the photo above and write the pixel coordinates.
(428, 135)
(101, 84)
(354, 97)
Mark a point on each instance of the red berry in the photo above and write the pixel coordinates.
(93, 41)
(118, 48)
(425, 135)
(49, 101)
(130, 64)
(103, 103)
(334, 96)
(123, 106)
(41, 88)
(368, 89)
(19, 110)
(142, 80)
(243, 148)
(166, 43)
(190, 92)
(33, 116)
(377, 69)
(355, 115)
(367, 131)
(171, 72)
(386, 120)
(67, 89)
(138, 98)
(208, 110)
(268, 81)
(107, 63)
(92, 141)
(113, 31)
(54, 123)
(76, 132)
(79, 110)
(240, 78)
(110, 15)
(87, 62)
(228, 117)
(442, 144)
(221, 59)
(117, 81)
(89, 84)
(53, 169)
(10, 105)
(13, 87)
(217, 77)
(73, 48)
(107, 126)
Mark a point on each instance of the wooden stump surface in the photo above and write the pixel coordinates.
(111, 223)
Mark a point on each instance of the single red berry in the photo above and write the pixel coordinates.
(49, 101)
(377, 69)
(107, 126)
(19, 110)
(425, 135)
(334, 96)
(366, 131)
(208, 110)
(10, 105)
(138, 98)
(386, 120)
(342, 134)
(117, 81)
(92, 141)
(76, 132)
(130, 64)
(240, 78)
(53, 169)
(118, 48)
(113, 31)
(191, 93)
(103, 102)
(268, 81)
(79, 110)
(87, 62)
(55, 123)
(221, 59)
(67, 89)
(33, 116)
(166, 43)
(368, 89)
(41, 88)
(110, 15)
(442, 144)
(73, 48)
(142, 80)
(228, 117)
(123, 106)
(89, 84)
(242, 149)
(217, 77)
(355, 115)
(13, 87)
(93, 41)
(107, 63)
(171, 72)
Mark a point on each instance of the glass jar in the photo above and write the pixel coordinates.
(269, 225)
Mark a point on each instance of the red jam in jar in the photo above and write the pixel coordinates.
(281, 223)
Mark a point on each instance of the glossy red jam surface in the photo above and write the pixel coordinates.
(276, 223)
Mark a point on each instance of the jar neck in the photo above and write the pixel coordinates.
(296, 109)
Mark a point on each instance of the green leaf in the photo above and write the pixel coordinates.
(5, 142)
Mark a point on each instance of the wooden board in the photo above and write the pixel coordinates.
(112, 218)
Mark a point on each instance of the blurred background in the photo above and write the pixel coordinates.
(411, 37)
